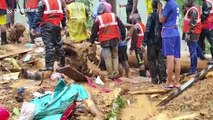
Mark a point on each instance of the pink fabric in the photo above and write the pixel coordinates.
(91, 84)
(107, 5)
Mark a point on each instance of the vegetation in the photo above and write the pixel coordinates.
(118, 104)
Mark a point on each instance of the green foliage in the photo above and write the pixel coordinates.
(118, 104)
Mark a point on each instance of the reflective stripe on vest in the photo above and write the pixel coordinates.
(141, 30)
(102, 25)
(48, 11)
(198, 16)
(211, 2)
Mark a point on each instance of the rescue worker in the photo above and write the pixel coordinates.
(136, 42)
(30, 7)
(192, 30)
(77, 25)
(153, 41)
(131, 8)
(108, 28)
(49, 16)
(169, 16)
(3, 21)
(207, 25)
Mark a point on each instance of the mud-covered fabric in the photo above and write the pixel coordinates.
(51, 36)
(51, 107)
(156, 63)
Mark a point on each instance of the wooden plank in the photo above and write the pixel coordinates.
(15, 53)
(149, 91)
(72, 73)
(186, 117)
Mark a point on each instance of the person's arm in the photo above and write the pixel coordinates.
(39, 15)
(95, 29)
(134, 8)
(121, 29)
(65, 9)
(206, 8)
(134, 39)
(162, 13)
(148, 29)
(24, 5)
(193, 15)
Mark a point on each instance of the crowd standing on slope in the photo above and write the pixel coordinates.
(159, 38)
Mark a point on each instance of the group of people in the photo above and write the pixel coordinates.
(160, 35)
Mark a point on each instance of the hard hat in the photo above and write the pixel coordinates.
(4, 114)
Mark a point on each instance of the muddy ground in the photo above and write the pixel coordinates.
(197, 100)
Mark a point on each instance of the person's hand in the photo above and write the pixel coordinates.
(120, 5)
(33, 32)
(131, 51)
(143, 48)
(187, 37)
(160, 6)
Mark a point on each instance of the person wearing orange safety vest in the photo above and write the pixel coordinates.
(3, 21)
(192, 29)
(108, 29)
(136, 43)
(207, 26)
(49, 16)
(30, 8)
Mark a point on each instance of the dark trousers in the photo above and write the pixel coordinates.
(51, 36)
(209, 34)
(193, 46)
(156, 63)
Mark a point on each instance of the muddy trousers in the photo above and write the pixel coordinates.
(156, 63)
(193, 45)
(141, 63)
(201, 42)
(110, 55)
(51, 36)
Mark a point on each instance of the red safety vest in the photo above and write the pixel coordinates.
(209, 20)
(187, 20)
(3, 4)
(140, 34)
(31, 4)
(108, 27)
(53, 12)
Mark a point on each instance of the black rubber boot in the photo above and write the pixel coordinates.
(3, 38)
(142, 73)
(32, 37)
(211, 61)
(62, 62)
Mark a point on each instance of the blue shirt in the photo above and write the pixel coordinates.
(171, 12)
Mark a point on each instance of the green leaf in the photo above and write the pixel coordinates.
(16, 111)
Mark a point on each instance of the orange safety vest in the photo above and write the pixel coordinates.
(186, 22)
(3, 4)
(209, 20)
(53, 12)
(140, 34)
(108, 27)
(31, 4)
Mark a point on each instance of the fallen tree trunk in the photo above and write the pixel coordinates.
(185, 62)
